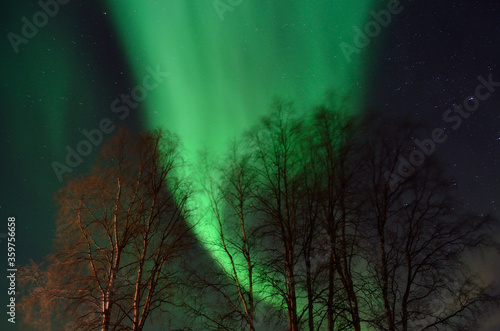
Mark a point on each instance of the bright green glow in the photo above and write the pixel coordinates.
(224, 74)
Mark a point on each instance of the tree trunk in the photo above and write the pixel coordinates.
(310, 309)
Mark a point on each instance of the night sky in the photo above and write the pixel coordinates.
(217, 73)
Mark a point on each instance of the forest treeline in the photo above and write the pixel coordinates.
(307, 233)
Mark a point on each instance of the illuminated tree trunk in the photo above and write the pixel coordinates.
(114, 221)
(230, 202)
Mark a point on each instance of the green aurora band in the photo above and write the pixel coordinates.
(224, 73)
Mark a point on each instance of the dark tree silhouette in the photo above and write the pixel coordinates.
(343, 245)
(416, 235)
(231, 283)
(321, 223)
(275, 147)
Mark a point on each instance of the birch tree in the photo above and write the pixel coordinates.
(119, 232)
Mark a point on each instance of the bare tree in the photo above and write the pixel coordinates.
(420, 235)
(339, 203)
(339, 243)
(229, 189)
(118, 234)
(275, 146)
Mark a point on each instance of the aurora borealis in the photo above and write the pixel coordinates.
(223, 75)
(224, 69)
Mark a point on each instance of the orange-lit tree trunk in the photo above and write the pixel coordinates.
(124, 218)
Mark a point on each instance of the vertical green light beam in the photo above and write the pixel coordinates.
(223, 74)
